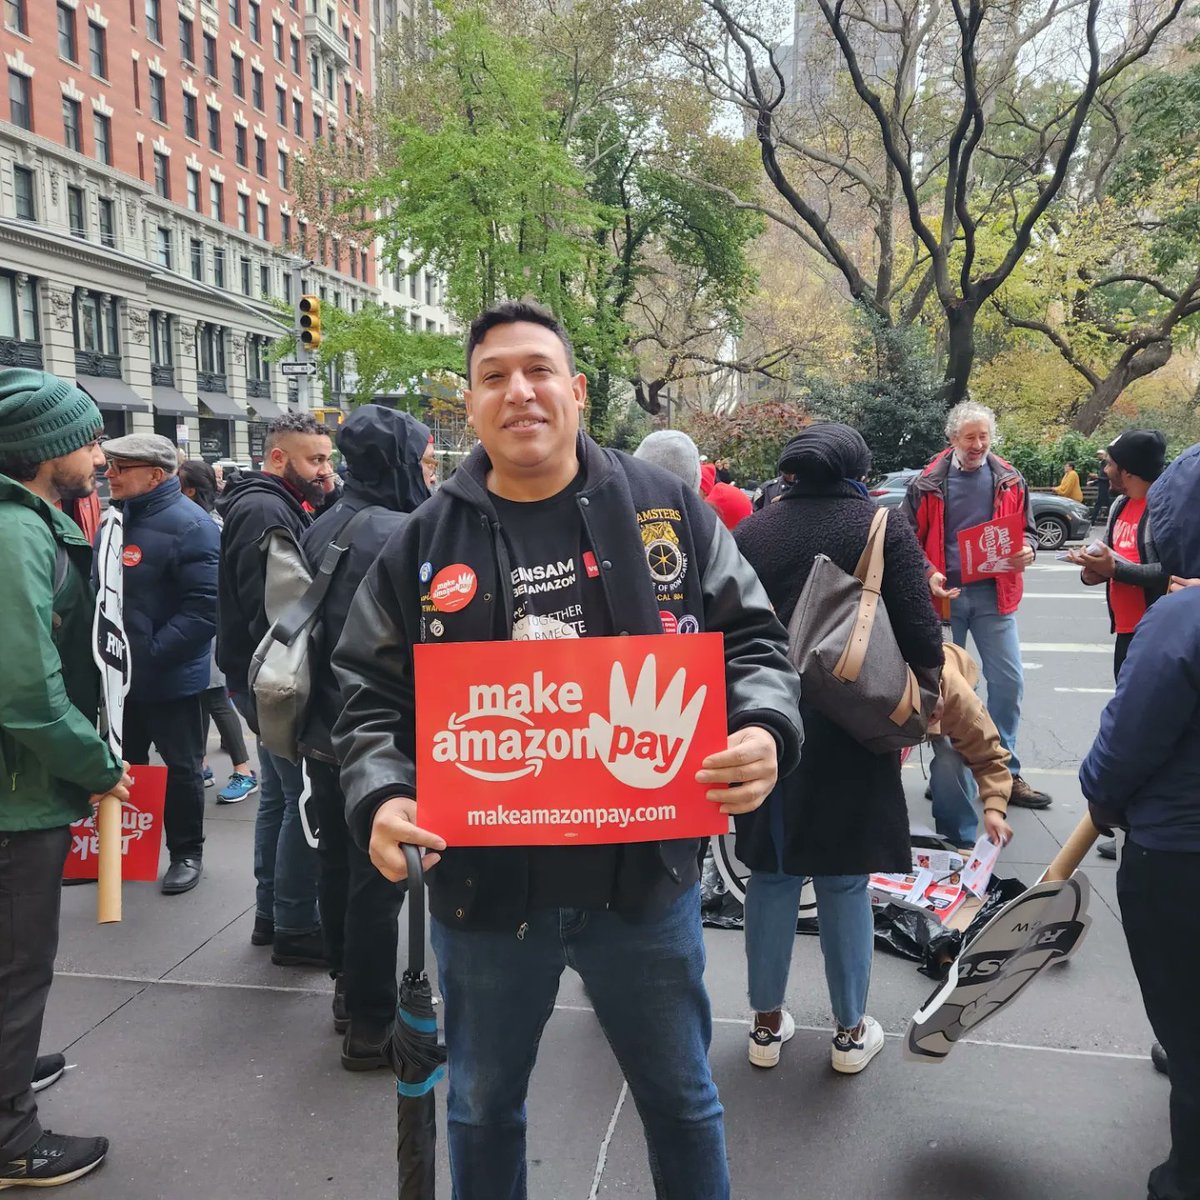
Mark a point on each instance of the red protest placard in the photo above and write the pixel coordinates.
(569, 741)
(984, 550)
(141, 831)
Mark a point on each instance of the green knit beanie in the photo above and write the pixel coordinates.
(43, 417)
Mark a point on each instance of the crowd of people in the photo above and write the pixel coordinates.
(808, 801)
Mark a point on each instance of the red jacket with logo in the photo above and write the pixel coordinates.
(925, 507)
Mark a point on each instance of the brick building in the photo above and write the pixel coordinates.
(147, 159)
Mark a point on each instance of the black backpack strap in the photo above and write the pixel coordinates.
(291, 622)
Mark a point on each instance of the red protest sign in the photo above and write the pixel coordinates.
(984, 550)
(569, 741)
(141, 831)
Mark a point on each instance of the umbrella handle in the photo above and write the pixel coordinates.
(416, 909)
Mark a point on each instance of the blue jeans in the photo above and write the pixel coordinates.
(954, 794)
(285, 865)
(999, 648)
(847, 939)
(645, 981)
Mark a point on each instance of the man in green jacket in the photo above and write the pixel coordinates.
(53, 763)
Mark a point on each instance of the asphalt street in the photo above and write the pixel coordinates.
(216, 1075)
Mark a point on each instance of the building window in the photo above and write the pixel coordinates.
(243, 212)
(165, 248)
(330, 80)
(26, 206)
(76, 212)
(316, 127)
(18, 313)
(162, 175)
(210, 349)
(315, 70)
(108, 224)
(196, 254)
(362, 265)
(20, 110)
(353, 265)
(348, 98)
(187, 39)
(102, 136)
(285, 227)
(98, 50)
(193, 189)
(235, 12)
(219, 266)
(190, 126)
(281, 105)
(260, 156)
(264, 227)
(15, 15)
(239, 144)
(214, 129)
(162, 350)
(216, 200)
(264, 282)
(277, 41)
(210, 56)
(287, 287)
(295, 54)
(246, 265)
(158, 98)
(283, 170)
(96, 323)
(68, 45)
(72, 133)
(154, 20)
(137, 91)
(358, 52)
(238, 68)
(255, 22)
(336, 261)
(256, 89)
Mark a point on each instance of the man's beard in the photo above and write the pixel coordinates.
(313, 490)
(960, 461)
(74, 485)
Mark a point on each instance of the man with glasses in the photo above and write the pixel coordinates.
(170, 579)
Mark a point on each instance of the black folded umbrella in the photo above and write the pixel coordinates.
(416, 1053)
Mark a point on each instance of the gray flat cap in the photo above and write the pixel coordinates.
(150, 448)
(674, 451)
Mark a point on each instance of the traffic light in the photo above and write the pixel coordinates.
(310, 322)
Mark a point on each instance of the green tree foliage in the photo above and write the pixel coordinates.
(751, 437)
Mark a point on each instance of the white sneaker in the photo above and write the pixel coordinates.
(851, 1054)
(764, 1044)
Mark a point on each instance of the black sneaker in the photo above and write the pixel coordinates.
(53, 1160)
(365, 1046)
(1158, 1056)
(299, 950)
(1026, 796)
(1107, 848)
(47, 1070)
(341, 1014)
(263, 933)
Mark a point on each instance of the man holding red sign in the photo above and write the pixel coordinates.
(968, 490)
(543, 536)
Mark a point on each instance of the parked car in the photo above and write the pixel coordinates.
(1057, 519)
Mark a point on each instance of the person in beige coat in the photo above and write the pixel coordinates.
(963, 728)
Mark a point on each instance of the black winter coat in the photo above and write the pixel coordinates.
(843, 807)
(256, 503)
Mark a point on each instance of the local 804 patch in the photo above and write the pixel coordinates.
(665, 558)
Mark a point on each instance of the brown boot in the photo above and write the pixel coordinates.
(1024, 796)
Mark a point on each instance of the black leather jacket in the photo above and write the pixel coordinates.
(624, 504)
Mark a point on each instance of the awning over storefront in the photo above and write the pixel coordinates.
(170, 402)
(113, 394)
(264, 409)
(220, 405)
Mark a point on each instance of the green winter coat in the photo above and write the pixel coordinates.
(51, 757)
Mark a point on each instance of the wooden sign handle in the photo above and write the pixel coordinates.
(108, 826)
(1082, 838)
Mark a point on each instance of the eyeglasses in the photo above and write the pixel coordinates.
(115, 469)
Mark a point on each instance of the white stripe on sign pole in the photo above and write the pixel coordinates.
(1053, 567)
(1066, 647)
(1090, 691)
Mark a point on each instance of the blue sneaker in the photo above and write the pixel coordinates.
(208, 777)
(238, 788)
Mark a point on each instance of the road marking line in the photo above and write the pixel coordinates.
(1090, 691)
(1067, 647)
(1031, 666)
(602, 1156)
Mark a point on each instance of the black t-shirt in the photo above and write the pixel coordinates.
(557, 594)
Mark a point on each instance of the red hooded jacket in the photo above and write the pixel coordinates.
(732, 504)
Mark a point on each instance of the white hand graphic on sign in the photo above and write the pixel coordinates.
(644, 740)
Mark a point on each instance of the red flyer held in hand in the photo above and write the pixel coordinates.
(984, 550)
(141, 831)
(569, 741)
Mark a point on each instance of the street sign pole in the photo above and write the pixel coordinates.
(302, 355)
